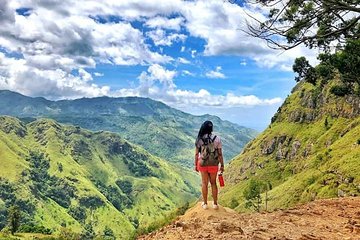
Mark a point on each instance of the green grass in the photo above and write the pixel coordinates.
(331, 163)
(161, 130)
(154, 197)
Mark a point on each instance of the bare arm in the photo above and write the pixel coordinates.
(221, 159)
(196, 158)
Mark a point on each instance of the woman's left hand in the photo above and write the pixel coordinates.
(221, 168)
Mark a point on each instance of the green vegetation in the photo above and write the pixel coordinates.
(295, 21)
(311, 148)
(252, 195)
(73, 183)
(163, 131)
(14, 218)
(345, 62)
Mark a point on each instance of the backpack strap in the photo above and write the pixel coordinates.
(213, 139)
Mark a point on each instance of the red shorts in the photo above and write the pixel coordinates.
(209, 169)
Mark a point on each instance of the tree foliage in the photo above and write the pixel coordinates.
(316, 23)
(252, 195)
(344, 62)
(108, 234)
(14, 217)
(304, 70)
(44, 185)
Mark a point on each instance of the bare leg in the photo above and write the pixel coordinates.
(214, 188)
(204, 188)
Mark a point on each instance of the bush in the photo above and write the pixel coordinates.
(30, 228)
(108, 234)
(340, 90)
(118, 200)
(91, 202)
(125, 186)
(59, 190)
(67, 234)
(78, 213)
(234, 203)
(252, 195)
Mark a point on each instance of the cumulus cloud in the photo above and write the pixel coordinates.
(16, 75)
(215, 73)
(56, 41)
(165, 23)
(158, 83)
(162, 38)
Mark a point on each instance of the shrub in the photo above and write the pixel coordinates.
(125, 186)
(14, 218)
(31, 228)
(91, 202)
(234, 203)
(252, 195)
(108, 234)
(67, 234)
(340, 90)
(78, 213)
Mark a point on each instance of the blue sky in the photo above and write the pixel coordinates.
(191, 55)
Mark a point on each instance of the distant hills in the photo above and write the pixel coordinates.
(310, 150)
(67, 179)
(160, 129)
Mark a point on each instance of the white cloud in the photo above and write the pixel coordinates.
(243, 62)
(16, 75)
(97, 74)
(84, 75)
(183, 60)
(187, 73)
(221, 23)
(58, 41)
(193, 53)
(158, 83)
(215, 73)
(166, 23)
(161, 38)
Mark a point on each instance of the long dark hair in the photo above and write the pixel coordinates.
(206, 128)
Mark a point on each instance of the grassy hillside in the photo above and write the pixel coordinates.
(160, 129)
(67, 178)
(311, 150)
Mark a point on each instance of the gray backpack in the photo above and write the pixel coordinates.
(209, 154)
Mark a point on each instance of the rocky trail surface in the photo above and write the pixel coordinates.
(321, 219)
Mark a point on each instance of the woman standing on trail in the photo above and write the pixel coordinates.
(208, 155)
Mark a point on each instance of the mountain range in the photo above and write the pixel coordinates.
(64, 178)
(163, 131)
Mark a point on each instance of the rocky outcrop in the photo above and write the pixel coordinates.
(315, 102)
(283, 146)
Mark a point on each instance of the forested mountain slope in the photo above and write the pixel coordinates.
(64, 177)
(160, 129)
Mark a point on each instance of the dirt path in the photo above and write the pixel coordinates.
(322, 219)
